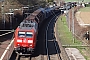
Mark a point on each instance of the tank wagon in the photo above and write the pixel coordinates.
(26, 32)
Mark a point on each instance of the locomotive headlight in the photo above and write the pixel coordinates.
(19, 40)
(18, 44)
(30, 41)
(30, 45)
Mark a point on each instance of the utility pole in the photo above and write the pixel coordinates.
(73, 24)
(67, 14)
(69, 20)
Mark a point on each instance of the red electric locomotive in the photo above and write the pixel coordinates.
(26, 33)
(25, 37)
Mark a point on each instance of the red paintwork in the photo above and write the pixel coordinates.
(24, 42)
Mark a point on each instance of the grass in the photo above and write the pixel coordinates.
(86, 9)
(66, 37)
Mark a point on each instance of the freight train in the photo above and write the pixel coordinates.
(26, 33)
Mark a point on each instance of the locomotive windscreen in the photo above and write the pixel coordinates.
(21, 34)
(29, 34)
(25, 34)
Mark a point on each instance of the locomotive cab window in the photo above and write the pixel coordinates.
(21, 34)
(29, 34)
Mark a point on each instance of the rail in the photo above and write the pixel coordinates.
(47, 49)
(7, 51)
(10, 31)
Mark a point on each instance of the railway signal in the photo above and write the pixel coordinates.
(87, 35)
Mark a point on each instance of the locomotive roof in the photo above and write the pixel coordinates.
(27, 25)
(27, 29)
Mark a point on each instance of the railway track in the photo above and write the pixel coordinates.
(52, 47)
(6, 45)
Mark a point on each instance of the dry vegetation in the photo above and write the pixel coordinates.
(13, 4)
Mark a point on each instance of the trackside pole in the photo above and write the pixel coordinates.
(73, 24)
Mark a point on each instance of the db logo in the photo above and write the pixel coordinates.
(24, 40)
